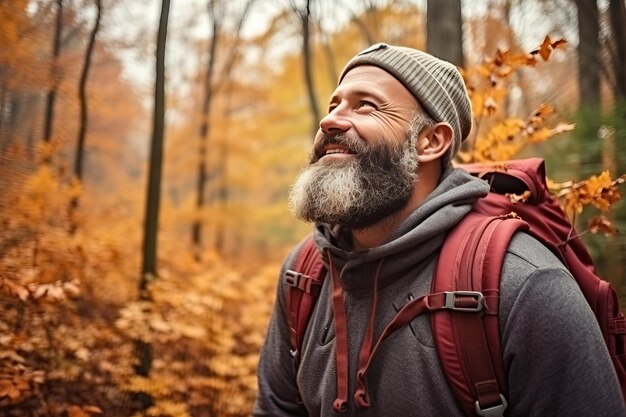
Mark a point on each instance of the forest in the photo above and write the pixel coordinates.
(147, 148)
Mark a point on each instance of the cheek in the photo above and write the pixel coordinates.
(387, 128)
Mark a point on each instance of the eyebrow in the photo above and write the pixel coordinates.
(360, 94)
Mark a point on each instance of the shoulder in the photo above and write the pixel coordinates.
(530, 253)
(552, 346)
(534, 278)
(528, 259)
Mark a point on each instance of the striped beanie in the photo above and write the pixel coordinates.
(437, 85)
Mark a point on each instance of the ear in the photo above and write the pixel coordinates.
(434, 142)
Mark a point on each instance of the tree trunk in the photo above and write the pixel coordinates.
(196, 228)
(617, 11)
(222, 196)
(588, 53)
(307, 56)
(82, 95)
(444, 30)
(149, 265)
(54, 75)
(211, 88)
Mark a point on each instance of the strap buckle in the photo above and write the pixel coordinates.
(293, 278)
(495, 411)
(451, 301)
(303, 282)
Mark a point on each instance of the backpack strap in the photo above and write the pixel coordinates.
(468, 345)
(304, 284)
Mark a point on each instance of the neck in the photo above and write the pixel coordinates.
(378, 233)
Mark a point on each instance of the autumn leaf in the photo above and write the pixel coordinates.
(14, 289)
(92, 409)
(561, 128)
(601, 191)
(544, 110)
(539, 135)
(519, 198)
(8, 389)
(76, 411)
(600, 224)
(490, 105)
(547, 46)
(545, 49)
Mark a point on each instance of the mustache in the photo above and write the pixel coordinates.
(353, 143)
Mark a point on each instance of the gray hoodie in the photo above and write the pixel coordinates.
(553, 352)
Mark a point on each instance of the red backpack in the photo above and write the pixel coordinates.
(465, 293)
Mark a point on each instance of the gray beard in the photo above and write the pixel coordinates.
(358, 191)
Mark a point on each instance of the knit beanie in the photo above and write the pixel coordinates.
(437, 85)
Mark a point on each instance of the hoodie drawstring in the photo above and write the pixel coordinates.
(413, 309)
(340, 405)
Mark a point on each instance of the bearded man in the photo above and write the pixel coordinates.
(382, 192)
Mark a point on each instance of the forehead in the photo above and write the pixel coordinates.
(368, 78)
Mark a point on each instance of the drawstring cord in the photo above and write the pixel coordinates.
(361, 396)
(340, 404)
(416, 307)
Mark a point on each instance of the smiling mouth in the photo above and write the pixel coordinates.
(335, 151)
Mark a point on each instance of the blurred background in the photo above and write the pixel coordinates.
(146, 153)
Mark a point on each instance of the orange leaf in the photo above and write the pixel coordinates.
(519, 198)
(560, 43)
(544, 110)
(602, 224)
(545, 49)
(563, 127)
(490, 105)
(7, 389)
(75, 411)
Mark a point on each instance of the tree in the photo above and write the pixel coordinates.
(82, 93)
(212, 85)
(304, 15)
(196, 227)
(588, 52)
(149, 265)
(444, 30)
(54, 82)
(617, 47)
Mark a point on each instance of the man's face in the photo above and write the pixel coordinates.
(364, 162)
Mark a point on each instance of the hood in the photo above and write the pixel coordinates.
(416, 240)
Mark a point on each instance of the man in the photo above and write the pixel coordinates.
(383, 194)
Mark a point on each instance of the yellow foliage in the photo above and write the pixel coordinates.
(155, 387)
(84, 411)
(167, 409)
(601, 191)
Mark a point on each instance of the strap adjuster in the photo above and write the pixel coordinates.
(495, 411)
(302, 282)
(451, 297)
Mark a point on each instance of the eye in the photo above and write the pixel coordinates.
(366, 103)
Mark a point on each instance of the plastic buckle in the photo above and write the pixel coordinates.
(495, 411)
(451, 296)
(293, 278)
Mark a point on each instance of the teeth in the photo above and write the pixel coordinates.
(331, 151)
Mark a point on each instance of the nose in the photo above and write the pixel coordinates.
(335, 122)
